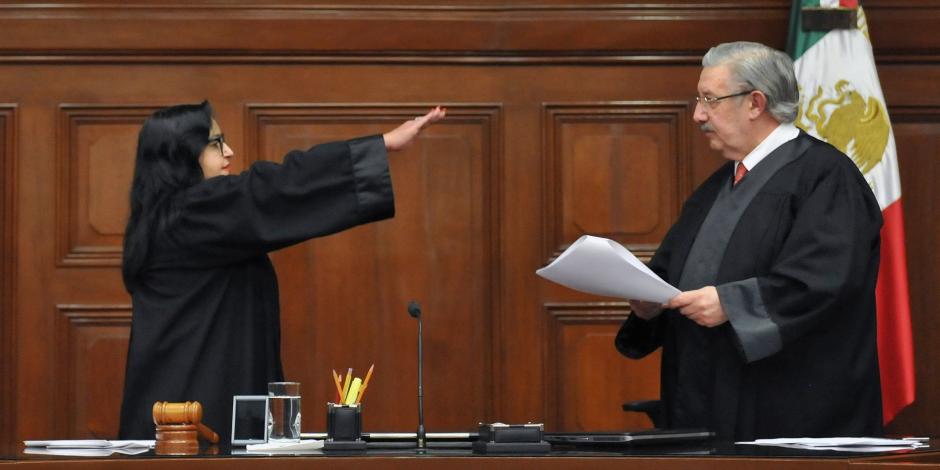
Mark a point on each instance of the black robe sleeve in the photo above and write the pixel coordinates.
(822, 262)
(326, 189)
(638, 337)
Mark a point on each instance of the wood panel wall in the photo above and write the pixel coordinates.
(565, 117)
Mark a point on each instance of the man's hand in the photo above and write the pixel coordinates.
(701, 306)
(402, 135)
(646, 310)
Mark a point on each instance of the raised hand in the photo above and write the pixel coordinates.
(402, 135)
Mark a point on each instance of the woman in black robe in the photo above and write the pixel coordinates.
(206, 321)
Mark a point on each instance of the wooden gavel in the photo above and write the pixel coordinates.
(165, 413)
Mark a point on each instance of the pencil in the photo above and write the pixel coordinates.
(365, 384)
(339, 388)
(346, 386)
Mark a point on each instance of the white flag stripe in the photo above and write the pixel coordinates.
(847, 55)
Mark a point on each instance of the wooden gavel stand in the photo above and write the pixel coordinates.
(177, 428)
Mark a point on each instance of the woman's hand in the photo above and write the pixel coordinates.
(402, 135)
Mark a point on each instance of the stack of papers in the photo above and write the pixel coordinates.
(87, 447)
(847, 444)
(604, 267)
(286, 447)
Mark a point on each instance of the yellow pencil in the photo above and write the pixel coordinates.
(353, 392)
(346, 385)
(365, 383)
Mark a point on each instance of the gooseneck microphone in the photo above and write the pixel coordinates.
(415, 311)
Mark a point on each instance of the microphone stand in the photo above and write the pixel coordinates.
(422, 444)
(415, 311)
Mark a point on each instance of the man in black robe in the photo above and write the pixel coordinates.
(776, 255)
(206, 320)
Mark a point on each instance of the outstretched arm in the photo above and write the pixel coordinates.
(402, 135)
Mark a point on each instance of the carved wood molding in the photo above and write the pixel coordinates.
(673, 115)
(586, 312)
(552, 32)
(557, 315)
(70, 250)
(913, 114)
(70, 318)
(123, 31)
(8, 257)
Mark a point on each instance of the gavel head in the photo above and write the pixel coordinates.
(177, 413)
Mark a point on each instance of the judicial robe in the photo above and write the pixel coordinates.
(793, 251)
(205, 321)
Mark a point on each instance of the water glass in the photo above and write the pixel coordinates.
(284, 412)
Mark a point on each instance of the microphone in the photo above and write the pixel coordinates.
(415, 311)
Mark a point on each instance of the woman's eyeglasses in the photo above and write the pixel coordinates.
(218, 141)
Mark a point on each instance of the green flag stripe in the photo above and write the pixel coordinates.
(799, 41)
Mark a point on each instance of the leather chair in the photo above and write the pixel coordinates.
(652, 408)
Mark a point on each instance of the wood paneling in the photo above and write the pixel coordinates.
(460, 26)
(343, 304)
(91, 343)
(96, 149)
(614, 170)
(7, 276)
(917, 135)
(565, 117)
(587, 379)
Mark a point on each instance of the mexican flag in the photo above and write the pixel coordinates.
(841, 102)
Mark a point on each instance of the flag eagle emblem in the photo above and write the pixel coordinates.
(855, 125)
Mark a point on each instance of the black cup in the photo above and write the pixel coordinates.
(344, 427)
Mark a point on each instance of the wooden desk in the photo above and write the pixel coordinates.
(646, 459)
(909, 462)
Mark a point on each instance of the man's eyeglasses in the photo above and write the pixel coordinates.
(711, 102)
(218, 141)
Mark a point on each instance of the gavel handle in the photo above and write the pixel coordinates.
(207, 433)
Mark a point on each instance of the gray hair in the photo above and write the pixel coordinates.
(762, 68)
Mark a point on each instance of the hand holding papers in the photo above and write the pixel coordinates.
(604, 267)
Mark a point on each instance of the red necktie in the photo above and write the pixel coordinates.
(739, 173)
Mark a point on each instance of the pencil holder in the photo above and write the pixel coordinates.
(343, 427)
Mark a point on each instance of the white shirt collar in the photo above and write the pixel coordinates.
(782, 134)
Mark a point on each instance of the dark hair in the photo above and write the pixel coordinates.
(168, 150)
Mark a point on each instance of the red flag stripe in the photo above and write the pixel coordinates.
(895, 343)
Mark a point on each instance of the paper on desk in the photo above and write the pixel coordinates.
(604, 267)
(90, 444)
(84, 452)
(86, 447)
(851, 444)
(306, 444)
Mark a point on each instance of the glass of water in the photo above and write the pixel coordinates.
(284, 412)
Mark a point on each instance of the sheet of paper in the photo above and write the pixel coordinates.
(604, 267)
(304, 445)
(119, 444)
(850, 444)
(846, 448)
(90, 444)
(95, 452)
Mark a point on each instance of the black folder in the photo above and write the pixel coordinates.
(644, 437)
